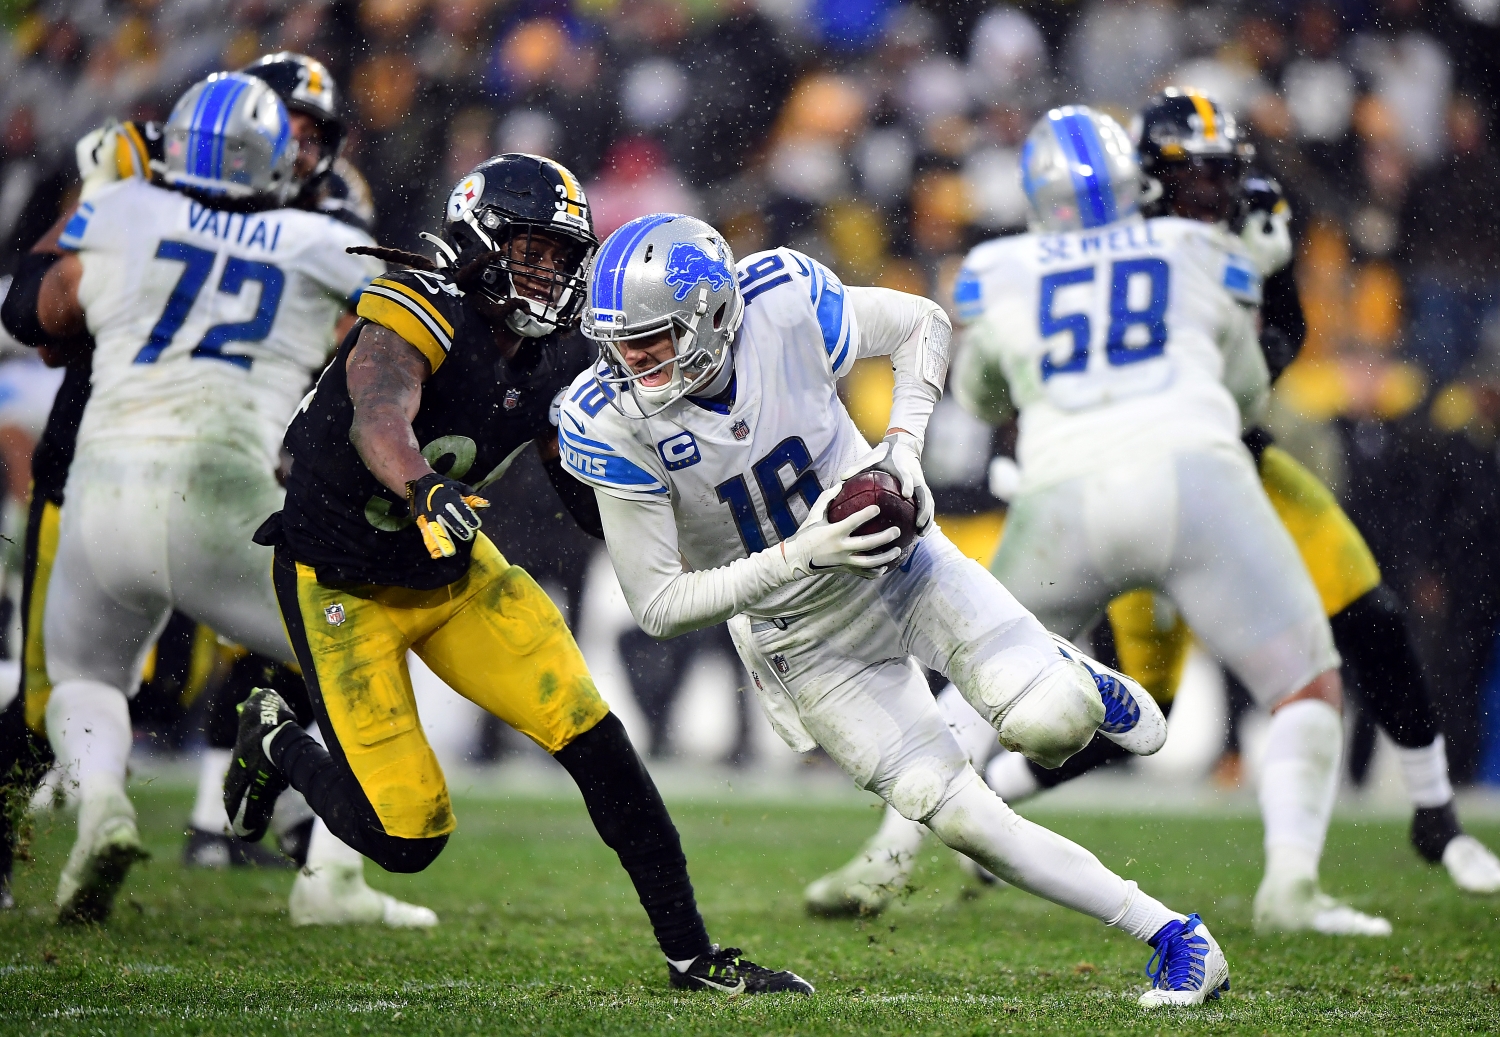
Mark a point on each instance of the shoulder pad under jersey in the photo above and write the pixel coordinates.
(419, 305)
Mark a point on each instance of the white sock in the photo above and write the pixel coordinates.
(1299, 780)
(684, 964)
(1143, 915)
(897, 838)
(324, 849)
(1011, 778)
(1425, 772)
(88, 724)
(208, 808)
(977, 822)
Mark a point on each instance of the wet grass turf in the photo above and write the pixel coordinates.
(541, 934)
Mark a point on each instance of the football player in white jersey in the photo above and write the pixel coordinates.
(714, 437)
(1130, 349)
(210, 306)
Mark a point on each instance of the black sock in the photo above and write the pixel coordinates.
(633, 821)
(1372, 637)
(1432, 829)
(335, 795)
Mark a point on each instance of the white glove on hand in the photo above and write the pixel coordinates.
(898, 456)
(821, 546)
(1268, 239)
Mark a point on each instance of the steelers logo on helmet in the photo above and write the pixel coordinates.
(525, 219)
(465, 197)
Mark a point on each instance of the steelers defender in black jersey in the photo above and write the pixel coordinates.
(453, 368)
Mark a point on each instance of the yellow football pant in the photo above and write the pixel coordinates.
(493, 636)
(1151, 637)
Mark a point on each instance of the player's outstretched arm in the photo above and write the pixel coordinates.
(385, 374)
(979, 384)
(42, 308)
(666, 601)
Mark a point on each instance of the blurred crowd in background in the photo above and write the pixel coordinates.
(884, 139)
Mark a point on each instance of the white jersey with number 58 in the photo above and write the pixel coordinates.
(1135, 337)
(207, 324)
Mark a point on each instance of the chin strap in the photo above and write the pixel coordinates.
(521, 321)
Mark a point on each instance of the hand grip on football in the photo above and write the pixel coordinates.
(899, 456)
(821, 546)
(445, 510)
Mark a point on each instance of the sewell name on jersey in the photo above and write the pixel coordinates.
(1074, 246)
(223, 225)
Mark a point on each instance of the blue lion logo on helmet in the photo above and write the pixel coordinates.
(688, 265)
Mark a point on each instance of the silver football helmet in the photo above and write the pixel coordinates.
(230, 136)
(1079, 170)
(664, 273)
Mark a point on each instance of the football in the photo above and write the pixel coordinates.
(883, 491)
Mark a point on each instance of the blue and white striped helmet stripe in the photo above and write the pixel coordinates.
(609, 269)
(1080, 143)
(1028, 182)
(210, 117)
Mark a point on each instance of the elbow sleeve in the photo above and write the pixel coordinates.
(19, 311)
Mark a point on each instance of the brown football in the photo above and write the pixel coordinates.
(883, 491)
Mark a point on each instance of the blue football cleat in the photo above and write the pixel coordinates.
(1132, 719)
(1188, 967)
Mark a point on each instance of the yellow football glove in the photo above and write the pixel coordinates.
(445, 511)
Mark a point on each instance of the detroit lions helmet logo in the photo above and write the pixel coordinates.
(688, 265)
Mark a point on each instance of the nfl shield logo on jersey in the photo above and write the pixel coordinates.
(782, 666)
(740, 429)
(512, 399)
(334, 614)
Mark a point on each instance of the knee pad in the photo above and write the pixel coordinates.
(924, 787)
(1055, 717)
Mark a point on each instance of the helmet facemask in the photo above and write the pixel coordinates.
(533, 274)
(700, 346)
(1202, 187)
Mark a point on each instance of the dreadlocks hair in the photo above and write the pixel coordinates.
(468, 277)
(393, 255)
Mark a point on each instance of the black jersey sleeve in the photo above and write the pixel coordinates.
(1283, 326)
(421, 307)
(577, 496)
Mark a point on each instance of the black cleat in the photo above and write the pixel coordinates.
(253, 781)
(205, 849)
(726, 972)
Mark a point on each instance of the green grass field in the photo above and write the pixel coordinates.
(541, 934)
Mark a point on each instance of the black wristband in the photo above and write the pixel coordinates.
(18, 313)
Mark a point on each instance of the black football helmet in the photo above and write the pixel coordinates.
(1193, 156)
(519, 210)
(305, 85)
